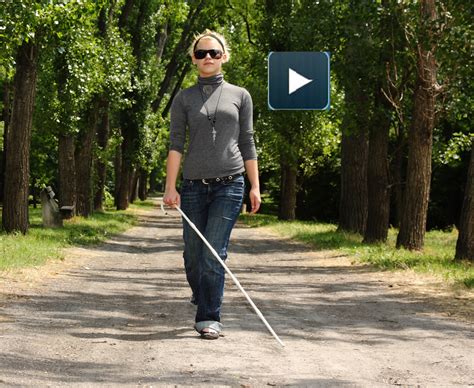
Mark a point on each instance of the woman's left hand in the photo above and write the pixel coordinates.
(255, 199)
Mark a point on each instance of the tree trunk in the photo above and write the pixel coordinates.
(288, 191)
(34, 194)
(125, 173)
(397, 176)
(105, 18)
(142, 187)
(6, 124)
(176, 88)
(378, 187)
(66, 140)
(134, 185)
(465, 243)
(154, 180)
(17, 163)
(117, 173)
(84, 161)
(67, 171)
(131, 118)
(353, 205)
(377, 175)
(102, 140)
(161, 39)
(420, 140)
(125, 14)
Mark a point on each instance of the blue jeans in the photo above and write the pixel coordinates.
(213, 208)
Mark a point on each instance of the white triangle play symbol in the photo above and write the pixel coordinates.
(296, 81)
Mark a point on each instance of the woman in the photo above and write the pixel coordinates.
(218, 118)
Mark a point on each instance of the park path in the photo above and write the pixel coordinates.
(118, 314)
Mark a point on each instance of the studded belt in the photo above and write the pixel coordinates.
(224, 179)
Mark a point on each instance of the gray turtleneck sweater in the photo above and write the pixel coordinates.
(211, 155)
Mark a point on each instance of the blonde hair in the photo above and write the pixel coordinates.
(209, 34)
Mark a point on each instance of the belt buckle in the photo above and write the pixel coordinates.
(204, 181)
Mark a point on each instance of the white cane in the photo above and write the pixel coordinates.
(237, 283)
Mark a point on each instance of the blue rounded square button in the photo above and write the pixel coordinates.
(298, 80)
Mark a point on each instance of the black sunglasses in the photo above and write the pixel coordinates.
(201, 54)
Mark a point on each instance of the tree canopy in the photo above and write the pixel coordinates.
(106, 72)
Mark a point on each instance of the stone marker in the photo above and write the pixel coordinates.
(50, 209)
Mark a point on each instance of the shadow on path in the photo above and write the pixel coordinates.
(133, 292)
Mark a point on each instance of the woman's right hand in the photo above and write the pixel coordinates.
(171, 197)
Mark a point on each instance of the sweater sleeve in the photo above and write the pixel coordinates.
(178, 124)
(246, 140)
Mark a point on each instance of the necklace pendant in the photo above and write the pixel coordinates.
(207, 89)
(214, 133)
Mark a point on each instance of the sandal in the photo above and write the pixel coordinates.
(209, 333)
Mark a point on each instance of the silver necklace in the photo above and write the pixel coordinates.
(212, 119)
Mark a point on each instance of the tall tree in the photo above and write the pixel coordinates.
(117, 67)
(277, 13)
(103, 133)
(103, 126)
(132, 117)
(378, 160)
(6, 122)
(355, 68)
(353, 201)
(377, 172)
(66, 134)
(83, 159)
(465, 242)
(17, 163)
(420, 137)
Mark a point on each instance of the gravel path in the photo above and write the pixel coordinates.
(118, 314)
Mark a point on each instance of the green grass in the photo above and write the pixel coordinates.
(436, 258)
(147, 204)
(41, 244)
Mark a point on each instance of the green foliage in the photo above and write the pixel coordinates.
(155, 141)
(450, 152)
(78, 64)
(454, 132)
(43, 158)
(117, 64)
(80, 61)
(148, 21)
(42, 21)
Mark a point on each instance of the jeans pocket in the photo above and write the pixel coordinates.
(186, 183)
(236, 182)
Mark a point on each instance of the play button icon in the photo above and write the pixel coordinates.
(298, 80)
